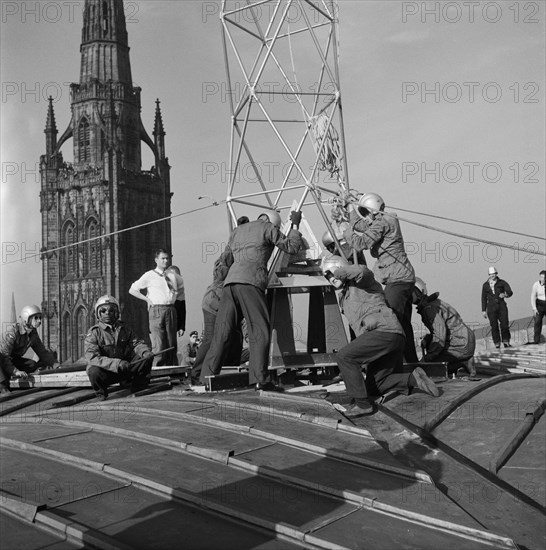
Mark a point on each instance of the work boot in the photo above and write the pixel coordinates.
(424, 383)
(361, 407)
(102, 395)
(507, 345)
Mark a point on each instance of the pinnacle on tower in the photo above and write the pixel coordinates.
(50, 129)
(158, 123)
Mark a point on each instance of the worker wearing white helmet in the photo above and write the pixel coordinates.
(249, 248)
(114, 353)
(449, 339)
(16, 341)
(379, 342)
(494, 293)
(370, 228)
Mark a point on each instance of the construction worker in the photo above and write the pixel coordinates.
(494, 308)
(538, 303)
(210, 305)
(163, 288)
(379, 343)
(330, 245)
(112, 351)
(449, 339)
(16, 341)
(189, 350)
(249, 248)
(370, 228)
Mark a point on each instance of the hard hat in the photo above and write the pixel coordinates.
(421, 286)
(370, 203)
(273, 216)
(28, 311)
(106, 299)
(327, 238)
(333, 262)
(492, 270)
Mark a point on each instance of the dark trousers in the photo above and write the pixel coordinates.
(498, 315)
(541, 312)
(163, 333)
(22, 363)
(240, 301)
(233, 356)
(382, 355)
(398, 298)
(138, 376)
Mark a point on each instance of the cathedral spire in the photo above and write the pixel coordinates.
(159, 132)
(104, 48)
(50, 129)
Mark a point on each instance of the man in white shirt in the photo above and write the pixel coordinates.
(538, 303)
(162, 288)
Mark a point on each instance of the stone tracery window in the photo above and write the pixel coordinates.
(84, 148)
(69, 254)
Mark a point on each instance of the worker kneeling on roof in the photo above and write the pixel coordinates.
(114, 353)
(379, 342)
(449, 339)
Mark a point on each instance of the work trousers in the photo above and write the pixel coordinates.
(381, 353)
(399, 298)
(22, 363)
(233, 356)
(241, 301)
(163, 333)
(539, 315)
(138, 376)
(498, 315)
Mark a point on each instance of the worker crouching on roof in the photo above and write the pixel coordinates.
(379, 343)
(16, 341)
(113, 350)
(450, 339)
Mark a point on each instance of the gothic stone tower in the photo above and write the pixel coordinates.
(102, 192)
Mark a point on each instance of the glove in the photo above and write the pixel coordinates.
(124, 367)
(295, 218)
(20, 374)
(339, 229)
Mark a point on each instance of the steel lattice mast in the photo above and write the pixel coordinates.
(287, 138)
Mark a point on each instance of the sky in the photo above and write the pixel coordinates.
(443, 108)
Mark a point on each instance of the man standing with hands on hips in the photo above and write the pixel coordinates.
(494, 292)
(163, 288)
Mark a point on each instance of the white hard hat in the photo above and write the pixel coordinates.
(333, 262)
(492, 270)
(370, 203)
(106, 299)
(421, 286)
(273, 216)
(327, 238)
(28, 311)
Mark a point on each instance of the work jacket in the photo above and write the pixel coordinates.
(362, 301)
(213, 293)
(492, 300)
(107, 346)
(447, 329)
(383, 238)
(16, 341)
(249, 248)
